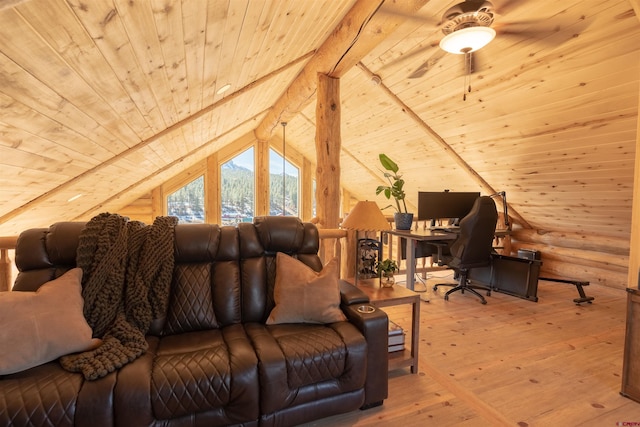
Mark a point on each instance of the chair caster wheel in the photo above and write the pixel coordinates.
(446, 297)
(483, 302)
(435, 288)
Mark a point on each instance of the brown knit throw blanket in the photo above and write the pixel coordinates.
(127, 269)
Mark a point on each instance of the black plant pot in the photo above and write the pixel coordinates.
(403, 220)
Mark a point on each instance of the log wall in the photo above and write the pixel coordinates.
(140, 210)
(596, 259)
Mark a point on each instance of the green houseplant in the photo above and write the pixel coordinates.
(385, 269)
(395, 189)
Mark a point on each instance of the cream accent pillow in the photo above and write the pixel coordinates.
(38, 327)
(303, 295)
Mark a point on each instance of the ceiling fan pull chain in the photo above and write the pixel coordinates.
(467, 75)
(469, 65)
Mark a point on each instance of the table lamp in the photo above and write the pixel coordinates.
(366, 216)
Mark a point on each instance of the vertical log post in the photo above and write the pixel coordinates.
(349, 262)
(5, 270)
(6, 244)
(328, 145)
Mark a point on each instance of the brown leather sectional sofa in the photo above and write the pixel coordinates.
(213, 360)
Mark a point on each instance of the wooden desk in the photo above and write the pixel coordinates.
(396, 295)
(413, 236)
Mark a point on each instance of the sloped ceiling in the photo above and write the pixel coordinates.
(108, 99)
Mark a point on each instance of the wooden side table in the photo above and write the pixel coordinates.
(397, 295)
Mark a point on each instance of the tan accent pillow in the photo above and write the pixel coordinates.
(303, 295)
(38, 327)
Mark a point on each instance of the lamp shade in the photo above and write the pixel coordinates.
(467, 39)
(366, 216)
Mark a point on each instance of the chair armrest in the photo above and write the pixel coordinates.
(350, 294)
(373, 323)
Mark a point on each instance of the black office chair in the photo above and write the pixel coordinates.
(473, 247)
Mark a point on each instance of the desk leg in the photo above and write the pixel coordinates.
(411, 262)
(415, 336)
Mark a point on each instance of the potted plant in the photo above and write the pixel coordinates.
(385, 270)
(395, 189)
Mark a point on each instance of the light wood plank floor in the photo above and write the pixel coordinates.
(511, 362)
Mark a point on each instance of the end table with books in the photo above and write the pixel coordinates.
(393, 296)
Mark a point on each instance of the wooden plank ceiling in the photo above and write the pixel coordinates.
(108, 99)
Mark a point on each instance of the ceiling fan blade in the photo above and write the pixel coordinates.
(506, 6)
(418, 18)
(421, 50)
(546, 33)
(513, 25)
(420, 71)
(535, 34)
(427, 65)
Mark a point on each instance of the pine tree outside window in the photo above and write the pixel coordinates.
(187, 203)
(237, 193)
(291, 184)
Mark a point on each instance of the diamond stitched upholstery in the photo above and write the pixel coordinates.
(191, 382)
(190, 308)
(206, 372)
(316, 355)
(336, 364)
(42, 396)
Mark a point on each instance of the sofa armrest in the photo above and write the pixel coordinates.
(350, 294)
(373, 323)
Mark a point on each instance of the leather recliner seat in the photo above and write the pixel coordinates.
(212, 360)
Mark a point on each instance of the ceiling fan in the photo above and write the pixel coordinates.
(467, 26)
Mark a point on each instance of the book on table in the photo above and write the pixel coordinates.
(396, 337)
(397, 347)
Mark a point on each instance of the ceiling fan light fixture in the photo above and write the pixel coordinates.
(467, 39)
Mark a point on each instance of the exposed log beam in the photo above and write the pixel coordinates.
(443, 144)
(359, 32)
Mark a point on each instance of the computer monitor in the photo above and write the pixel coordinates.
(445, 204)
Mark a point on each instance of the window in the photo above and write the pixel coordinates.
(187, 203)
(238, 188)
(278, 189)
